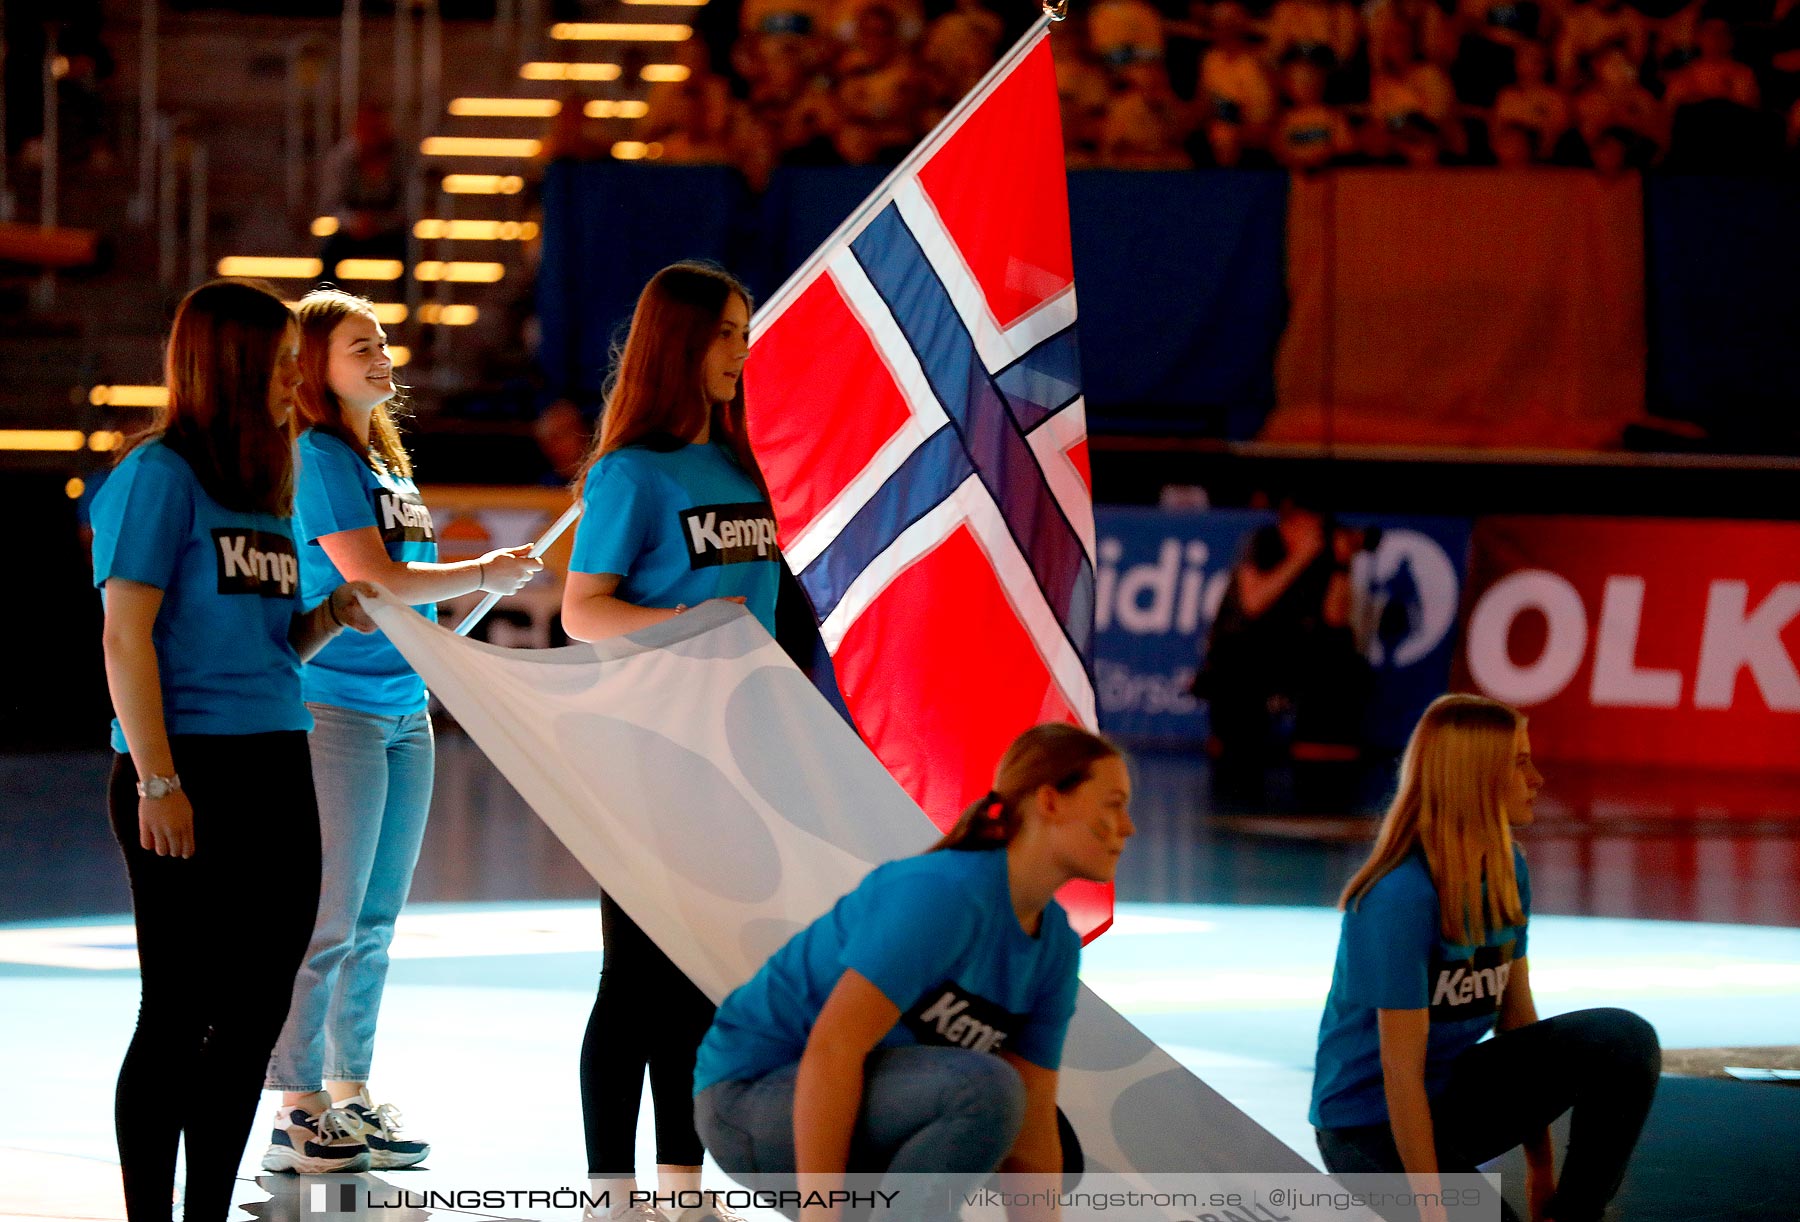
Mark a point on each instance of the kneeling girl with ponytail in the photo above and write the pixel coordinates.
(918, 1026)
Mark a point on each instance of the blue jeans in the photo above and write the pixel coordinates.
(947, 1112)
(373, 776)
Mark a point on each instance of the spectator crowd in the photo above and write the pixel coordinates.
(1695, 85)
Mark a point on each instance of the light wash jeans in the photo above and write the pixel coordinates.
(373, 776)
(948, 1113)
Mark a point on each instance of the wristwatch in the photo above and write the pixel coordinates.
(158, 786)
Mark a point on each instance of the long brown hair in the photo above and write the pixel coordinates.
(223, 348)
(1056, 754)
(655, 383)
(320, 312)
(1452, 779)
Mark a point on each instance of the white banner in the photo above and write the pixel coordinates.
(709, 789)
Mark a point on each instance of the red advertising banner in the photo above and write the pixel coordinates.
(1641, 641)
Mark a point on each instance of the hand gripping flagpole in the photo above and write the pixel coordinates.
(537, 550)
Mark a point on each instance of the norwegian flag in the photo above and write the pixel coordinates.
(915, 402)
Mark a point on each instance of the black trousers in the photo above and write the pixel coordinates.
(1603, 1064)
(646, 1013)
(220, 938)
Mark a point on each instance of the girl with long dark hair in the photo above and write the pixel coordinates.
(675, 514)
(917, 1028)
(206, 627)
(358, 515)
(1432, 958)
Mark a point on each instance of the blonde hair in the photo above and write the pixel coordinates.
(1452, 780)
(320, 312)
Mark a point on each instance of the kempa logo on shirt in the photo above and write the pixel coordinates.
(728, 534)
(403, 517)
(1470, 988)
(951, 1016)
(256, 562)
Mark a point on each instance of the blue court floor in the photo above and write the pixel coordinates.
(497, 957)
(486, 1004)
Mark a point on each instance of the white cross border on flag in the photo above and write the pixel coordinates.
(998, 347)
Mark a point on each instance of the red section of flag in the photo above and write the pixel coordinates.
(941, 727)
(816, 345)
(1000, 187)
(1078, 454)
(940, 669)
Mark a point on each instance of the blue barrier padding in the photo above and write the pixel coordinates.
(1179, 275)
(1181, 282)
(607, 229)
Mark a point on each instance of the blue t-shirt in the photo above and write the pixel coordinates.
(231, 587)
(1392, 956)
(938, 936)
(679, 526)
(336, 490)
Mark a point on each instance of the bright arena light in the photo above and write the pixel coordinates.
(608, 108)
(74, 488)
(399, 354)
(479, 146)
(129, 396)
(460, 273)
(636, 150)
(615, 31)
(506, 108)
(665, 72)
(269, 268)
(390, 313)
(42, 439)
(105, 441)
(370, 269)
(557, 70)
(324, 226)
(476, 231)
(448, 315)
(483, 184)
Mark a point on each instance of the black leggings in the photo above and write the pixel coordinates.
(220, 938)
(1601, 1063)
(646, 1013)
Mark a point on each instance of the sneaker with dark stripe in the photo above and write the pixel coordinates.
(315, 1145)
(379, 1128)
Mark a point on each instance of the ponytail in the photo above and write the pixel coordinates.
(1056, 754)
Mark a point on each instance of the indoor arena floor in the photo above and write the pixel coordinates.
(1676, 895)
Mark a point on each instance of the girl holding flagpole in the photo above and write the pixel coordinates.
(1432, 958)
(206, 627)
(675, 513)
(359, 516)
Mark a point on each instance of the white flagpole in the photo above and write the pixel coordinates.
(537, 549)
(878, 199)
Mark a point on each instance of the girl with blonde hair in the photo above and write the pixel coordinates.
(358, 517)
(1432, 957)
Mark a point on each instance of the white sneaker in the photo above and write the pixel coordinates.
(325, 1144)
(379, 1129)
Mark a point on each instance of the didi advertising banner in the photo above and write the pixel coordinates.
(1162, 575)
(1641, 641)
